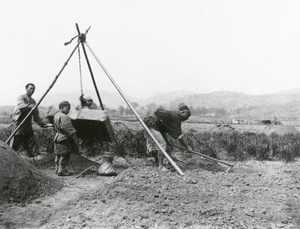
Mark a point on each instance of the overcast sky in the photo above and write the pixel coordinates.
(151, 46)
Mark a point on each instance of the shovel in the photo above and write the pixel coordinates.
(210, 158)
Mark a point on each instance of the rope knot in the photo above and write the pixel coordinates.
(82, 37)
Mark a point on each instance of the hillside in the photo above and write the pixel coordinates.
(164, 98)
(285, 104)
(114, 99)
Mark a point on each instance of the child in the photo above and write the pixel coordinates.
(65, 140)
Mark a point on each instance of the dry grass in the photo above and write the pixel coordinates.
(245, 142)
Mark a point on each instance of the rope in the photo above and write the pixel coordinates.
(80, 71)
(92, 168)
(135, 113)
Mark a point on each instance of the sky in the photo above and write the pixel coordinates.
(150, 46)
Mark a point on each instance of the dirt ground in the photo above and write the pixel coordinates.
(252, 195)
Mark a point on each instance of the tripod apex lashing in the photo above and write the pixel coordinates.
(82, 37)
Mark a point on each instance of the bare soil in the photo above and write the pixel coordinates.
(21, 182)
(251, 195)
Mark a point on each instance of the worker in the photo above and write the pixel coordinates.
(86, 103)
(165, 122)
(25, 136)
(65, 140)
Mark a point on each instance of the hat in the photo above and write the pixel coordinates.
(183, 106)
(88, 98)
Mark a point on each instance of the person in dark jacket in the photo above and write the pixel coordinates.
(160, 124)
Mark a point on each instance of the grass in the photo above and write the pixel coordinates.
(232, 146)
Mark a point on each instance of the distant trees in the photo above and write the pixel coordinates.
(221, 104)
(150, 108)
(204, 111)
(121, 110)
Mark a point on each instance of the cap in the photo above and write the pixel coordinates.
(88, 98)
(63, 104)
(183, 106)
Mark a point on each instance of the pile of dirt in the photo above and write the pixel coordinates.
(280, 130)
(20, 181)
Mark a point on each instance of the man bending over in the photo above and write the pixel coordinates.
(165, 122)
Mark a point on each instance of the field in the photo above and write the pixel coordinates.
(260, 191)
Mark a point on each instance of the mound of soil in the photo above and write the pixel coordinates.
(20, 181)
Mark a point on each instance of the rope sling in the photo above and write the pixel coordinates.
(80, 71)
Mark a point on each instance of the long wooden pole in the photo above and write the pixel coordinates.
(135, 113)
(107, 123)
(89, 66)
(41, 99)
(203, 155)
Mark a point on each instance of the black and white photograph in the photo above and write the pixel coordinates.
(150, 114)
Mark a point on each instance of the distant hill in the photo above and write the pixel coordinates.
(164, 98)
(281, 104)
(233, 100)
(114, 99)
(292, 91)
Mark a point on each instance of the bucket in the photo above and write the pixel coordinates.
(107, 168)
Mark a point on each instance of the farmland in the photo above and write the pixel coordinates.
(260, 191)
(212, 136)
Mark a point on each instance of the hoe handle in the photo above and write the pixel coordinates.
(203, 155)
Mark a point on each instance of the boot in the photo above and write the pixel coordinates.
(63, 173)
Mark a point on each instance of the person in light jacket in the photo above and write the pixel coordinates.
(65, 140)
(25, 135)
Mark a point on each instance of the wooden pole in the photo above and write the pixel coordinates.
(82, 39)
(135, 113)
(108, 123)
(203, 155)
(36, 105)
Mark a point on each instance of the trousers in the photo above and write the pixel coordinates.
(151, 146)
(61, 161)
(27, 141)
